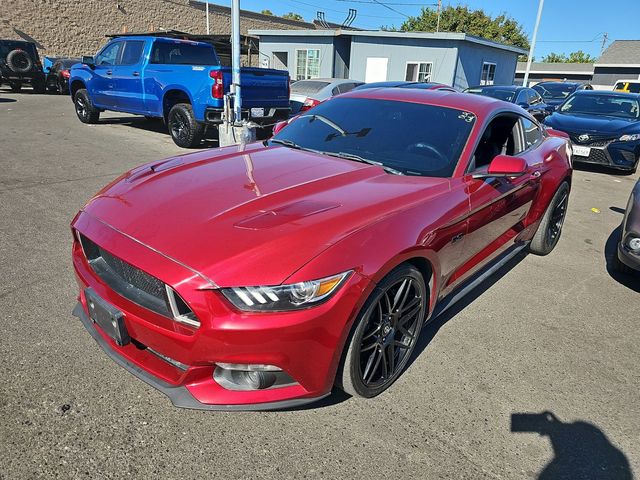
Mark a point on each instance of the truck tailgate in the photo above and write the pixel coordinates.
(262, 87)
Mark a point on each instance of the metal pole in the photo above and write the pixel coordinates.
(439, 12)
(525, 82)
(235, 62)
(207, 14)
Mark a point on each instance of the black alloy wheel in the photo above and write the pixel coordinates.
(84, 109)
(385, 334)
(550, 228)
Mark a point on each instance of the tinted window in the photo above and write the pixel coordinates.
(505, 94)
(413, 138)
(554, 91)
(522, 97)
(109, 55)
(307, 87)
(534, 98)
(623, 106)
(132, 52)
(182, 53)
(531, 131)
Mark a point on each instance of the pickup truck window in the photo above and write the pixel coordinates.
(132, 52)
(109, 55)
(182, 53)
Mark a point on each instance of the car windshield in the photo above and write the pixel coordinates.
(621, 106)
(505, 94)
(404, 137)
(307, 87)
(631, 87)
(554, 91)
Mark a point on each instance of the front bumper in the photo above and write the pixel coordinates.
(617, 155)
(180, 361)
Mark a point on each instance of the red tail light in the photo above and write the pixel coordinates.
(309, 103)
(217, 89)
(65, 73)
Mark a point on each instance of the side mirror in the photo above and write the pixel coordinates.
(505, 166)
(88, 60)
(279, 126)
(524, 105)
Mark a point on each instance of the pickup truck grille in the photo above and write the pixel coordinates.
(136, 285)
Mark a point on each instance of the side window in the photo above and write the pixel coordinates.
(132, 52)
(531, 132)
(499, 138)
(346, 87)
(109, 55)
(534, 98)
(522, 97)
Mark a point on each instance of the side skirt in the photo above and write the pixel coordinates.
(464, 289)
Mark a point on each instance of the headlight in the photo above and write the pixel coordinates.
(630, 138)
(282, 298)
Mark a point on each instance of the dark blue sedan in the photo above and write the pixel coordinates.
(604, 127)
(526, 97)
(554, 93)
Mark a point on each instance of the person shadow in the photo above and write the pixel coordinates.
(581, 450)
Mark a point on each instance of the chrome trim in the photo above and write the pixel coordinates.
(171, 297)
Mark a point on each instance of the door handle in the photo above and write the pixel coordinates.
(108, 72)
(457, 238)
(136, 74)
(536, 174)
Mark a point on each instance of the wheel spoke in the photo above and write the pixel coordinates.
(408, 316)
(367, 367)
(401, 295)
(411, 304)
(391, 350)
(375, 366)
(401, 345)
(405, 332)
(385, 366)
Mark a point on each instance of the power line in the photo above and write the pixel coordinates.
(373, 2)
(390, 8)
(340, 11)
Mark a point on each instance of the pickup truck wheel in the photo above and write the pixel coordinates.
(185, 130)
(84, 108)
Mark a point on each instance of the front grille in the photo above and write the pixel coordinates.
(598, 156)
(594, 140)
(136, 285)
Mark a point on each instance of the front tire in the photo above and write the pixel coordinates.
(185, 130)
(384, 334)
(85, 110)
(550, 228)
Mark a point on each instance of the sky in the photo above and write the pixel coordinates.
(566, 25)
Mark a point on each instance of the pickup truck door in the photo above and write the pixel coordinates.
(127, 77)
(102, 83)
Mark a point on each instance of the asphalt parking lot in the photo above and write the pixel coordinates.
(552, 334)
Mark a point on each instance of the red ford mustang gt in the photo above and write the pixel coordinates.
(259, 277)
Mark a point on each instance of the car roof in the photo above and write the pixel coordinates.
(163, 39)
(559, 82)
(328, 80)
(477, 104)
(608, 93)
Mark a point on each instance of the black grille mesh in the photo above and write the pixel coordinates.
(134, 276)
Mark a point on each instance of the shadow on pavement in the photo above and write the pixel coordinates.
(581, 450)
(157, 126)
(631, 281)
(7, 100)
(589, 167)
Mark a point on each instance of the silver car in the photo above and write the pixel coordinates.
(306, 94)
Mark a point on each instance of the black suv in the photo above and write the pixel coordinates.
(20, 64)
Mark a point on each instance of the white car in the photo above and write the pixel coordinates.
(306, 94)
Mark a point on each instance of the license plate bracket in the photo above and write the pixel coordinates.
(107, 317)
(581, 151)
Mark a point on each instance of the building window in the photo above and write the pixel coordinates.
(488, 73)
(419, 71)
(307, 64)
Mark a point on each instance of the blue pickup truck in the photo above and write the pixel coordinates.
(180, 81)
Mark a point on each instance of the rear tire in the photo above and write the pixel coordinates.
(185, 130)
(85, 110)
(16, 87)
(39, 85)
(550, 228)
(384, 333)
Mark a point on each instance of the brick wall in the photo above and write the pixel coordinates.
(77, 27)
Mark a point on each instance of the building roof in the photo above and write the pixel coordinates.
(568, 68)
(387, 34)
(623, 53)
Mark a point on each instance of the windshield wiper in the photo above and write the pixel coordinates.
(325, 120)
(358, 158)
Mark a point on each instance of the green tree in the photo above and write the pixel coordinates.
(293, 16)
(573, 57)
(266, 12)
(502, 28)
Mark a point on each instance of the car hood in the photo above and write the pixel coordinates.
(601, 125)
(253, 216)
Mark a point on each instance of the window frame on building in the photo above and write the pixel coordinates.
(427, 74)
(484, 79)
(306, 75)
